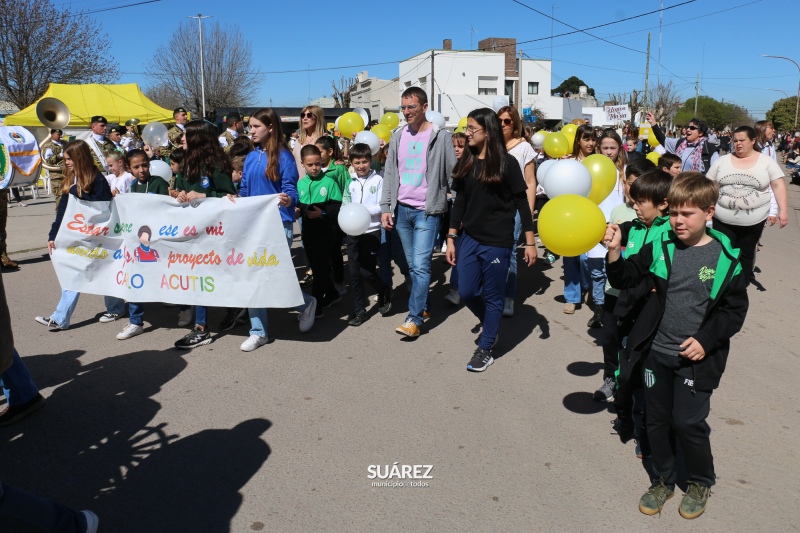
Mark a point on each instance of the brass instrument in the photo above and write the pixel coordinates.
(54, 115)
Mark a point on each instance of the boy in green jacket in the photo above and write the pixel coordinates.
(682, 335)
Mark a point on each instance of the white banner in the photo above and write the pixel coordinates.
(617, 112)
(150, 248)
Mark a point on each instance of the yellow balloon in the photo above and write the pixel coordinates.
(350, 123)
(556, 145)
(571, 139)
(571, 225)
(390, 120)
(569, 129)
(604, 176)
(654, 157)
(382, 131)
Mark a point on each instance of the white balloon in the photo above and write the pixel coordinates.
(336, 124)
(368, 138)
(364, 115)
(537, 141)
(568, 176)
(160, 169)
(542, 170)
(435, 117)
(354, 219)
(499, 102)
(155, 134)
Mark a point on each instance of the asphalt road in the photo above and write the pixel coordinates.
(281, 439)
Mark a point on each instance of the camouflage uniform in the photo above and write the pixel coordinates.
(4, 260)
(55, 159)
(105, 147)
(229, 139)
(174, 136)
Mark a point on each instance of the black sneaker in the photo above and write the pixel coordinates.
(358, 318)
(193, 339)
(234, 317)
(597, 318)
(385, 301)
(480, 361)
(624, 428)
(15, 413)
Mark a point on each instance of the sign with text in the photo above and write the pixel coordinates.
(617, 112)
(148, 248)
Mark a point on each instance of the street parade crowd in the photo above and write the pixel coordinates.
(666, 278)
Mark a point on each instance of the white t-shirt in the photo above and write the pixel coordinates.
(524, 154)
(121, 183)
(744, 194)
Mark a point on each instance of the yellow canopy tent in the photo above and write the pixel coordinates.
(117, 103)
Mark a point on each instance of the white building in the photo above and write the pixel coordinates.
(375, 95)
(323, 102)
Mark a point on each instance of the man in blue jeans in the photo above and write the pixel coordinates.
(416, 180)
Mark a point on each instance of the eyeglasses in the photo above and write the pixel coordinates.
(472, 131)
(306, 115)
(692, 128)
(411, 107)
(507, 121)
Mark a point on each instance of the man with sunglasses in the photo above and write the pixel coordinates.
(694, 149)
(417, 177)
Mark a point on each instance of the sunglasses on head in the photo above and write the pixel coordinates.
(307, 115)
(507, 121)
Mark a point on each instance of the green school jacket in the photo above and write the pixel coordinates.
(154, 185)
(216, 186)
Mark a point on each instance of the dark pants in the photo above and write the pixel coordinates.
(337, 260)
(321, 243)
(746, 239)
(482, 273)
(611, 340)
(362, 259)
(674, 406)
(24, 512)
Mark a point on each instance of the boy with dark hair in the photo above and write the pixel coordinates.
(329, 153)
(682, 334)
(319, 202)
(362, 250)
(670, 163)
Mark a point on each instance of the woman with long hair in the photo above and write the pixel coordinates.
(745, 177)
(490, 191)
(520, 148)
(84, 181)
(312, 127)
(270, 169)
(585, 143)
(205, 172)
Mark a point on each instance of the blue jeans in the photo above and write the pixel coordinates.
(597, 272)
(22, 511)
(69, 300)
(482, 272)
(511, 282)
(137, 313)
(17, 384)
(576, 278)
(114, 305)
(417, 231)
(391, 249)
(258, 315)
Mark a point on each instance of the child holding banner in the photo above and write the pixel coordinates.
(85, 182)
(205, 173)
(270, 169)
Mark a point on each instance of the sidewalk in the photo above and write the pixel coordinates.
(29, 226)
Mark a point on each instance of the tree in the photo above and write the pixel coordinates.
(664, 102)
(716, 114)
(571, 85)
(42, 44)
(782, 113)
(174, 69)
(341, 93)
(633, 100)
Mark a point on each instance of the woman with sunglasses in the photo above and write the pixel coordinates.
(520, 148)
(491, 191)
(693, 148)
(312, 127)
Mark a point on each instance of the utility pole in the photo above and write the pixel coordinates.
(797, 104)
(519, 83)
(660, 23)
(646, 75)
(200, 18)
(433, 87)
(696, 93)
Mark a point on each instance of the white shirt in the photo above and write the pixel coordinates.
(744, 193)
(121, 183)
(223, 141)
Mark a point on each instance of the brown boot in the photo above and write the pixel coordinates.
(7, 263)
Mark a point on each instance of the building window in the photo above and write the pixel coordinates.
(487, 91)
(533, 87)
(487, 85)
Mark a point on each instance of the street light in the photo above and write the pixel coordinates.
(200, 18)
(797, 105)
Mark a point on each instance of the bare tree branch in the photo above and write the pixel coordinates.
(42, 44)
(174, 70)
(341, 93)
(664, 102)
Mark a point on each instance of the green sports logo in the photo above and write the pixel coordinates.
(707, 274)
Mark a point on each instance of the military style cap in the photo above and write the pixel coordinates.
(116, 129)
(98, 118)
(178, 110)
(54, 131)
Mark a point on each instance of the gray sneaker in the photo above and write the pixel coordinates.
(453, 297)
(654, 499)
(606, 392)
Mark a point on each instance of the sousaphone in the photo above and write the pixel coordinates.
(54, 115)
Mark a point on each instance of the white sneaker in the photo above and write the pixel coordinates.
(185, 318)
(306, 318)
(340, 288)
(453, 297)
(253, 342)
(92, 522)
(131, 330)
(508, 307)
(49, 322)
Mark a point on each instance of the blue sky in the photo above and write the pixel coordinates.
(720, 41)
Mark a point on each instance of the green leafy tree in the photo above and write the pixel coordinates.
(782, 113)
(713, 112)
(571, 85)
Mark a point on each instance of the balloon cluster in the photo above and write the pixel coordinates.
(571, 223)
